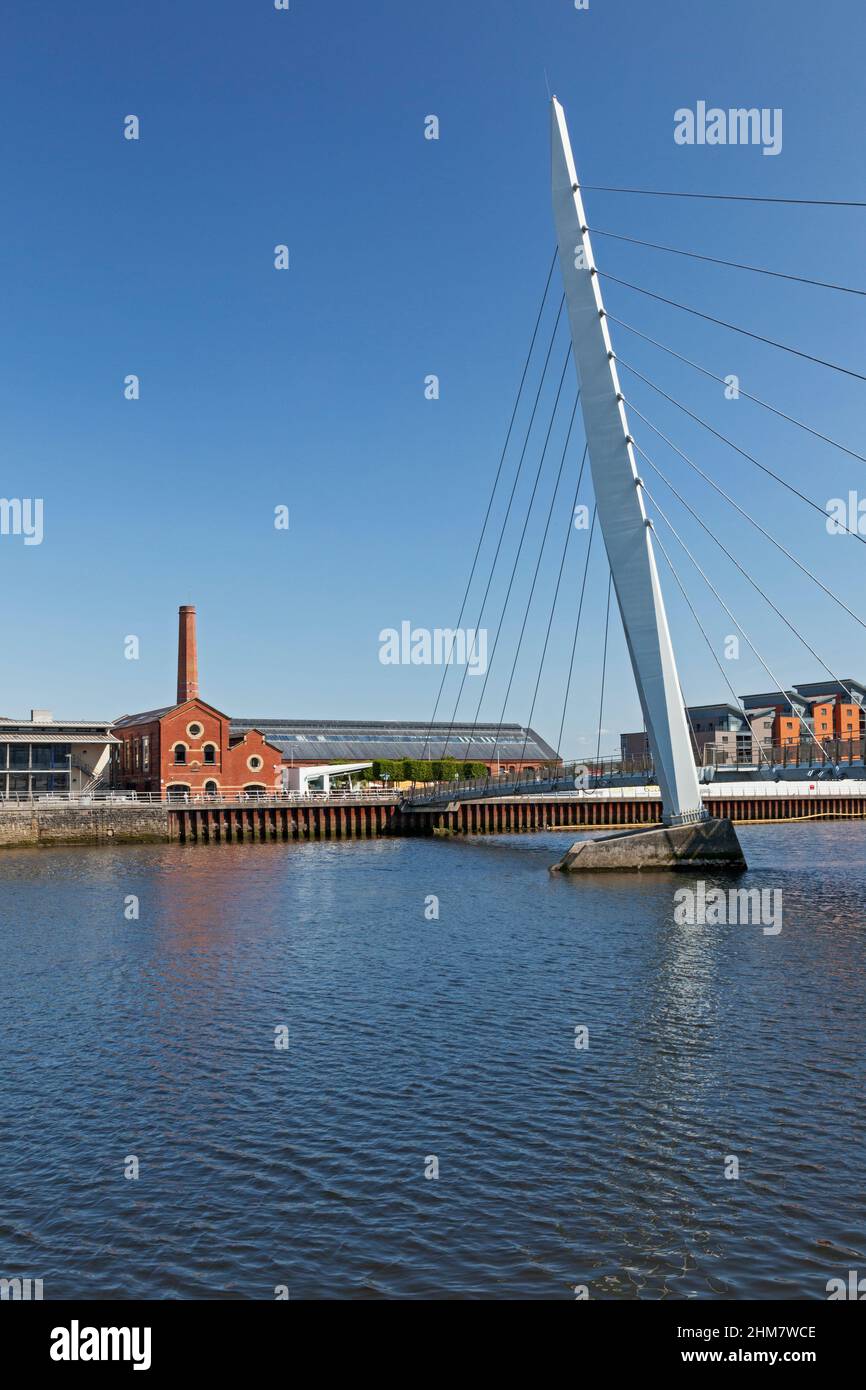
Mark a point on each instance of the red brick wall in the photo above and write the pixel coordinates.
(254, 748)
(175, 731)
(229, 770)
(128, 768)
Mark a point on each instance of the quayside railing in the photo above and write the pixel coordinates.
(227, 797)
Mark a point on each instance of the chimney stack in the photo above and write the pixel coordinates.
(187, 656)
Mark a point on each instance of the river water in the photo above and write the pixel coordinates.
(416, 1041)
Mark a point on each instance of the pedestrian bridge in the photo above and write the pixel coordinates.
(626, 776)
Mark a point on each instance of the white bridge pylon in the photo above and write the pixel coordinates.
(624, 523)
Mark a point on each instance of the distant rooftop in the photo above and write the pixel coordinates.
(65, 733)
(43, 719)
(790, 699)
(817, 689)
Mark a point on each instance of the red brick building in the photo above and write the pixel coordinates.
(189, 746)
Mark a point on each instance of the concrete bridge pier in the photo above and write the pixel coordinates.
(704, 844)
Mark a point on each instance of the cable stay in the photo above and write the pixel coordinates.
(816, 434)
(713, 653)
(522, 538)
(517, 401)
(728, 197)
(569, 529)
(538, 562)
(507, 514)
(751, 459)
(714, 485)
(734, 328)
(732, 265)
(773, 677)
(604, 671)
(734, 561)
(576, 630)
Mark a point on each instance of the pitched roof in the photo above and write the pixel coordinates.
(152, 715)
(149, 716)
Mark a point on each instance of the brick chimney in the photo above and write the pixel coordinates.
(187, 656)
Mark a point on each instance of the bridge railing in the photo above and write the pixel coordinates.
(637, 769)
(801, 753)
(227, 797)
(547, 777)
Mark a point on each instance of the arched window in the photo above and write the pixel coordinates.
(177, 791)
(179, 752)
(210, 754)
(211, 788)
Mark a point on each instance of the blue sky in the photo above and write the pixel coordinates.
(408, 257)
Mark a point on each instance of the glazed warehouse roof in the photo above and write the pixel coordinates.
(353, 741)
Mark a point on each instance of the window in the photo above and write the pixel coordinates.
(194, 730)
(211, 787)
(145, 752)
(179, 753)
(254, 763)
(210, 753)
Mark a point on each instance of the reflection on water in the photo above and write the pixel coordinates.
(154, 1036)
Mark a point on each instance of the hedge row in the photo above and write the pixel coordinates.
(420, 770)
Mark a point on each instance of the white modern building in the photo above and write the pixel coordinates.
(318, 779)
(42, 755)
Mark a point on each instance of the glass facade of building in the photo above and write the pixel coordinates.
(30, 769)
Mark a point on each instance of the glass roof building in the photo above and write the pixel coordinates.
(311, 741)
